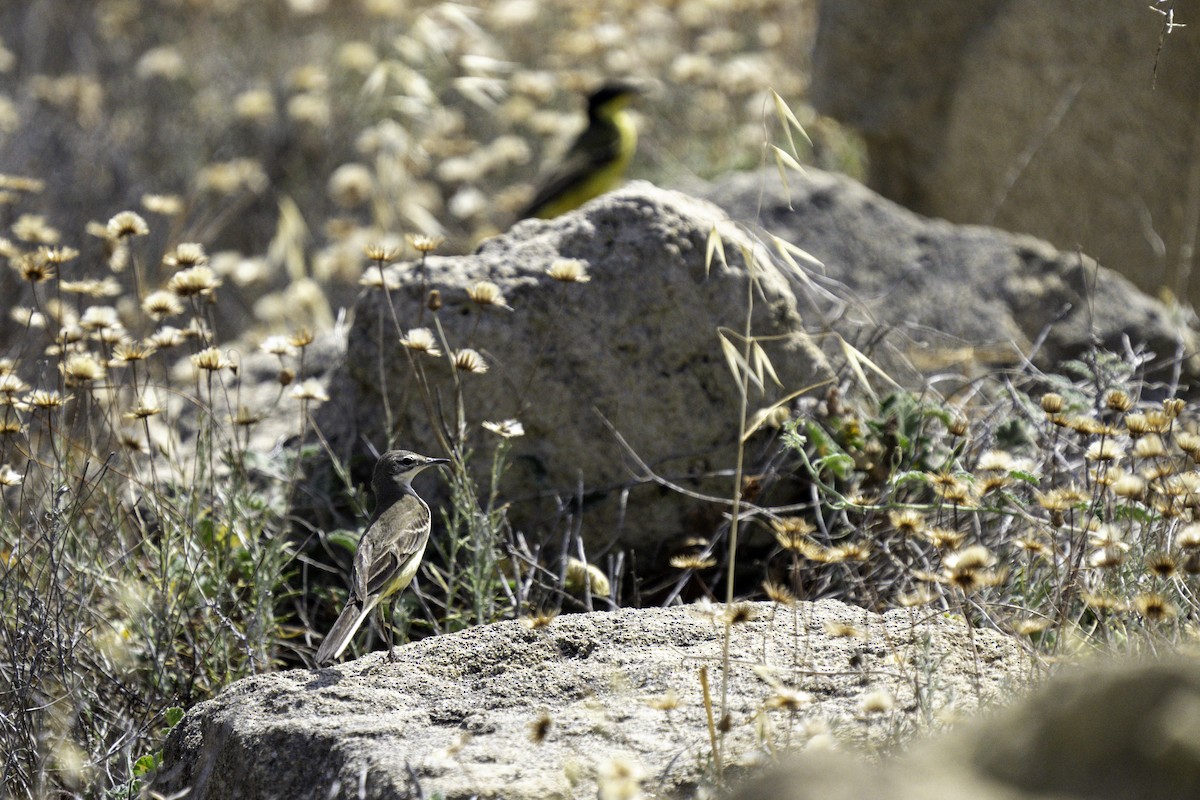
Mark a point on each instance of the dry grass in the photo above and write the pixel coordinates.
(275, 154)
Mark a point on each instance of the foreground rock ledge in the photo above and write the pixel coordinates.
(453, 716)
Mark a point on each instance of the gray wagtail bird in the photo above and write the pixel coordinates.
(389, 553)
(596, 160)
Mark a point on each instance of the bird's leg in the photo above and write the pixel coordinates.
(388, 632)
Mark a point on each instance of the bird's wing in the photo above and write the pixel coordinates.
(398, 533)
(597, 146)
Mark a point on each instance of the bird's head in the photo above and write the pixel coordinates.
(400, 466)
(610, 98)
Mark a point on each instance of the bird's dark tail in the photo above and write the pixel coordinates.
(342, 632)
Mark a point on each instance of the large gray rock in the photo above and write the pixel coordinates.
(920, 290)
(453, 715)
(1073, 121)
(637, 347)
(1114, 732)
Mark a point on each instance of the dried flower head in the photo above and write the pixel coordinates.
(81, 368)
(1162, 566)
(879, 701)
(539, 620)
(161, 304)
(126, 224)
(740, 613)
(303, 337)
(508, 429)
(167, 337)
(425, 244)
(9, 476)
(1105, 450)
(1031, 626)
(691, 561)
(193, 281)
(278, 346)
(1131, 487)
(786, 698)
(185, 256)
(43, 398)
(169, 205)
(99, 317)
(850, 551)
(309, 390)
(778, 593)
(91, 287)
(147, 406)
(1149, 446)
(568, 270)
(1052, 403)
(1032, 546)
(58, 255)
(664, 702)
(1101, 602)
(843, 630)
(469, 360)
(486, 293)
(1062, 499)
(539, 729)
(1189, 537)
(1188, 442)
(996, 461)
(33, 268)
(1154, 607)
(792, 533)
(211, 359)
(126, 352)
(1174, 406)
(918, 597)
(11, 384)
(908, 521)
(582, 577)
(421, 340)
(381, 254)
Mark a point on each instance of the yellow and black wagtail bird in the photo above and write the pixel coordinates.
(596, 160)
(389, 553)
